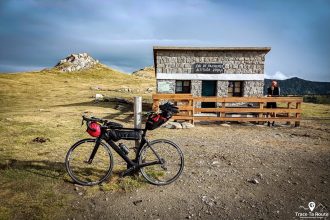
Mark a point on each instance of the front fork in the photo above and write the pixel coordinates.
(96, 147)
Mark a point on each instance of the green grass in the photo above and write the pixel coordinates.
(316, 110)
(27, 195)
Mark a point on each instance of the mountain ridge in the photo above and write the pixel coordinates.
(298, 86)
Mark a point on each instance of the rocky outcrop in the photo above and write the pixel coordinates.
(76, 62)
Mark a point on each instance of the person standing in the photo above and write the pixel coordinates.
(273, 91)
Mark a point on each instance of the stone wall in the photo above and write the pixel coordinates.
(234, 61)
(222, 88)
(196, 87)
(253, 88)
(196, 90)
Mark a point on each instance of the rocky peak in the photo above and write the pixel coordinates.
(76, 62)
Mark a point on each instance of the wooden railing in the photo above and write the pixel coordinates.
(185, 103)
(251, 109)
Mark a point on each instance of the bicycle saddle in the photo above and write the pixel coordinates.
(112, 124)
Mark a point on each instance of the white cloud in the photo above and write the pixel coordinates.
(278, 75)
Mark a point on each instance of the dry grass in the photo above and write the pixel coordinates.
(50, 104)
(321, 111)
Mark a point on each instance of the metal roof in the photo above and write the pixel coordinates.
(267, 49)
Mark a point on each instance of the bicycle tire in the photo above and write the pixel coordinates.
(75, 167)
(157, 174)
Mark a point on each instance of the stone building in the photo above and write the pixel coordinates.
(210, 71)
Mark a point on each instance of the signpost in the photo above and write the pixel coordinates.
(137, 115)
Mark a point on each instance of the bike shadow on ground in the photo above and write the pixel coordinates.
(45, 168)
(40, 167)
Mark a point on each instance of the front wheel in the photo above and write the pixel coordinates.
(83, 171)
(167, 159)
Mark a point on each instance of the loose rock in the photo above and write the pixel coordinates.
(215, 162)
(187, 125)
(173, 125)
(137, 202)
(254, 181)
(99, 97)
(150, 90)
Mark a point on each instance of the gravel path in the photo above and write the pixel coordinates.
(231, 172)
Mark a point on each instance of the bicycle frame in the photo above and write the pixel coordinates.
(132, 164)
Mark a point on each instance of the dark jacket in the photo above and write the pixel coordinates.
(275, 92)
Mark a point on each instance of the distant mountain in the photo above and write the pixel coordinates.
(297, 86)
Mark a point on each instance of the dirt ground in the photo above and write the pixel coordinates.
(241, 171)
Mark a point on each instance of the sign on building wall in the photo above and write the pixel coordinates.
(208, 68)
(164, 86)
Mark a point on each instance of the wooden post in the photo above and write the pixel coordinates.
(261, 115)
(288, 115)
(222, 113)
(189, 112)
(192, 111)
(298, 106)
(137, 115)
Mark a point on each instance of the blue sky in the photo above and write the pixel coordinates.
(35, 34)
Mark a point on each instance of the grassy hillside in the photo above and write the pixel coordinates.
(49, 104)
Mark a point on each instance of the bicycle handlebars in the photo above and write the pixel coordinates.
(93, 119)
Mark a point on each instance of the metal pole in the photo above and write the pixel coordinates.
(137, 115)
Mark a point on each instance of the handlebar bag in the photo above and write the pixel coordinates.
(94, 129)
(117, 135)
(155, 121)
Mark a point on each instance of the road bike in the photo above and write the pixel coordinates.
(90, 161)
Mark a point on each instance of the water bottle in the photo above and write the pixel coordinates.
(123, 148)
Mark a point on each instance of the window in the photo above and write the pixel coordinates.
(235, 88)
(182, 86)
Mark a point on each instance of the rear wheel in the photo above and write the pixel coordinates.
(169, 158)
(83, 172)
